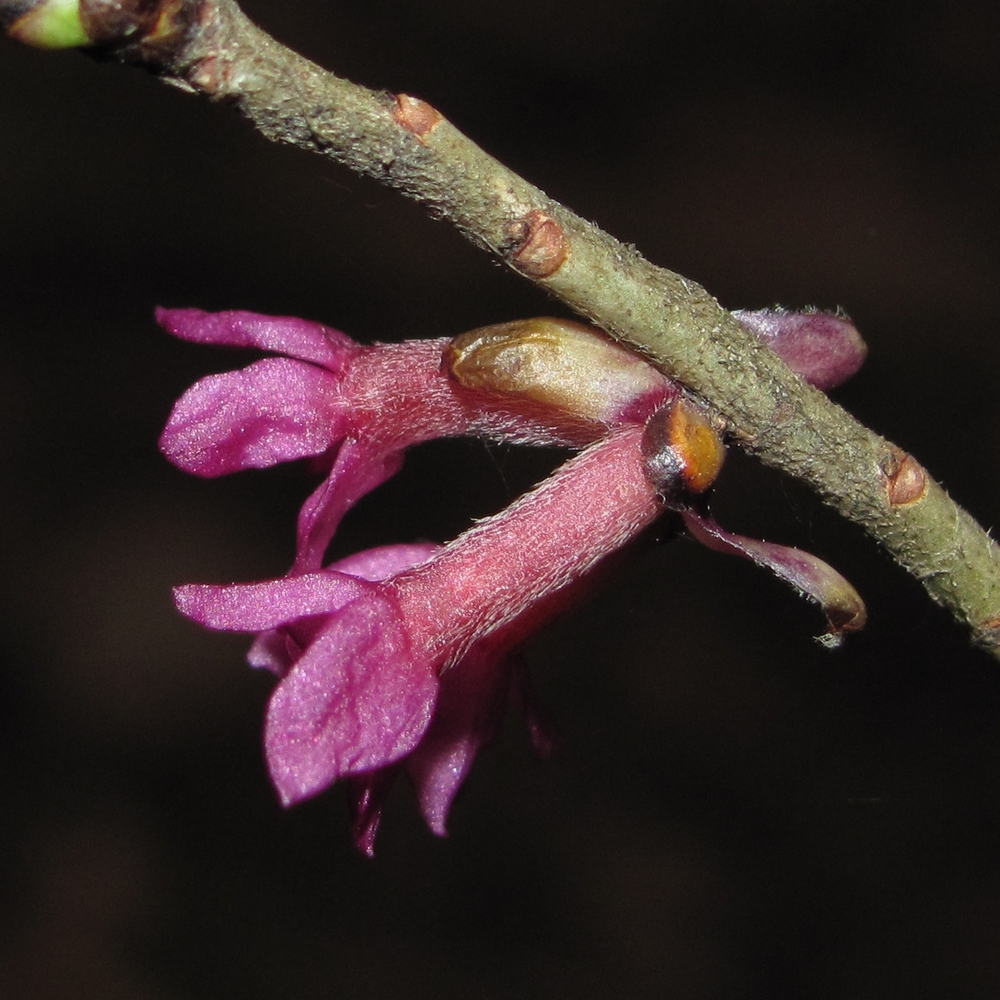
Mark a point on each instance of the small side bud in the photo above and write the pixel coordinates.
(50, 24)
(905, 479)
(416, 116)
(540, 245)
(682, 449)
(558, 363)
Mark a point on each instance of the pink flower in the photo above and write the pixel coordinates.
(360, 407)
(468, 707)
(541, 381)
(373, 648)
(403, 657)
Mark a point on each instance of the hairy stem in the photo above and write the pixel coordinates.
(210, 47)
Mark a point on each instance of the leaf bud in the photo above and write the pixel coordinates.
(50, 24)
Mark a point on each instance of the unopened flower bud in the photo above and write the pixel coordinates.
(824, 348)
(556, 362)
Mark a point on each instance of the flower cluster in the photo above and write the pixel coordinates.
(405, 656)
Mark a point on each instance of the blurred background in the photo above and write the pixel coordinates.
(730, 811)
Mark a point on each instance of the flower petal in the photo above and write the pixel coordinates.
(277, 649)
(252, 607)
(808, 574)
(384, 561)
(273, 411)
(357, 470)
(359, 698)
(298, 338)
(470, 707)
(367, 794)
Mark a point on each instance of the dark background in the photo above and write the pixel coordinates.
(731, 811)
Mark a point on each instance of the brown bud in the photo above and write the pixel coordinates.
(540, 245)
(905, 479)
(554, 362)
(135, 22)
(682, 448)
(416, 116)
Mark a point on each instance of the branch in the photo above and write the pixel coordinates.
(209, 47)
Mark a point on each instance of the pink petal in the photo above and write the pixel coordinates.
(470, 707)
(273, 411)
(824, 348)
(278, 649)
(252, 607)
(298, 338)
(275, 650)
(808, 574)
(384, 561)
(367, 794)
(359, 468)
(360, 698)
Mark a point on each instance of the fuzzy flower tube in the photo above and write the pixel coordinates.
(404, 657)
